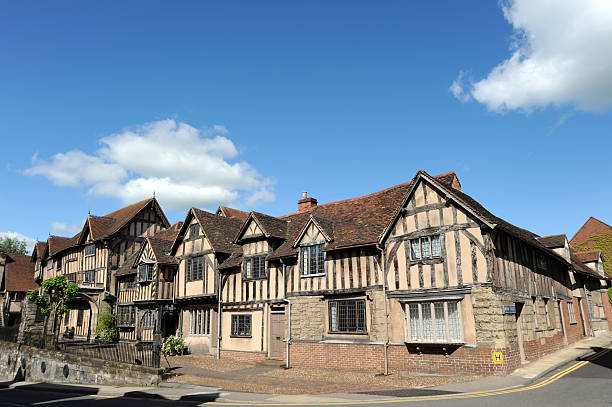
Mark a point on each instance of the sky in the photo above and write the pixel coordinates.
(248, 104)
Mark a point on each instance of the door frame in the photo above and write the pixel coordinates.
(278, 311)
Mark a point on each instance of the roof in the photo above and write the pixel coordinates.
(589, 256)
(219, 230)
(232, 261)
(595, 235)
(161, 243)
(554, 241)
(233, 213)
(59, 243)
(356, 221)
(39, 250)
(582, 268)
(591, 227)
(102, 227)
(19, 273)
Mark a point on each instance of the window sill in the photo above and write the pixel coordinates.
(312, 275)
(241, 336)
(445, 343)
(90, 255)
(255, 278)
(346, 333)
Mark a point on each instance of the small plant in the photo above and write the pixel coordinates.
(610, 294)
(107, 329)
(174, 345)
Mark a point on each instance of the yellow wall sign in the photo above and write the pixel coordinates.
(498, 358)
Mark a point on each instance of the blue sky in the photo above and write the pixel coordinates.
(268, 99)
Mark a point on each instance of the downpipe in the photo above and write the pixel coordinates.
(384, 287)
(288, 339)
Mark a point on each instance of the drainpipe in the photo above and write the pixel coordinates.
(219, 317)
(384, 284)
(288, 340)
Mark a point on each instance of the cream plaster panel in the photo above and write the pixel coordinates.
(434, 217)
(447, 212)
(418, 196)
(466, 258)
(422, 220)
(242, 344)
(410, 226)
(414, 276)
(194, 288)
(482, 266)
(401, 263)
(432, 195)
(439, 270)
(461, 217)
(451, 256)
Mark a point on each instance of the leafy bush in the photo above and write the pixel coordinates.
(610, 294)
(174, 345)
(107, 329)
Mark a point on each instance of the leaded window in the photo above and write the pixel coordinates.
(145, 272)
(148, 320)
(194, 268)
(313, 260)
(571, 311)
(347, 316)
(426, 247)
(80, 316)
(255, 267)
(199, 321)
(241, 325)
(126, 315)
(49, 264)
(89, 276)
(90, 249)
(431, 322)
(194, 230)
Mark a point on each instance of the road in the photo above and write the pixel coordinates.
(581, 384)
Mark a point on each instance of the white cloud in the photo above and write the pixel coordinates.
(185, 167)
(16, 235)
(63, 229)
(560, 55)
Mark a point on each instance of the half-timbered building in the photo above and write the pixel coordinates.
(16, 279)
(203, 242)
(91, 257)
(145, 289)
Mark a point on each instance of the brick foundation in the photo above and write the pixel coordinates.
(537, 348)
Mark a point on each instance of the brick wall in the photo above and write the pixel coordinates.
(574, 331)
(607, 309)
(537, 348)
(402, 358)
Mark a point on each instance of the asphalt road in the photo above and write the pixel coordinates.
(585, 384)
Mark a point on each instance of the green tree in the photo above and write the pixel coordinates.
(55, 300)
(13, 245)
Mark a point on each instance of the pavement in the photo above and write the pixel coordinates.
(527, 377)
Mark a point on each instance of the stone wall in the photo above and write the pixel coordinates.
(308, 316)
(38, 365)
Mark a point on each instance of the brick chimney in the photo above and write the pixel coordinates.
(306, 203)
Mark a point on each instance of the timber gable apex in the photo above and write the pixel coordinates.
(324, 226)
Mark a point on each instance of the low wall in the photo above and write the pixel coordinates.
(40, 365)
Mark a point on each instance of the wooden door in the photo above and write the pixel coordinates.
(277, 334)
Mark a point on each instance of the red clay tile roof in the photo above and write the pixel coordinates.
(589, 256)
(128, 266)
(233, 213)
(590, 228)
(356, 221)
(554, 241)
(59, 243)
(582, 268)
(161, 243)
(39, 250)
(99, 225)
(19, 273)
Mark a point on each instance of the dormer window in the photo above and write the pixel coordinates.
(90, 249)
(313, 260)
(194, 230)
(542, 262)
(145, 272)
(255, 267)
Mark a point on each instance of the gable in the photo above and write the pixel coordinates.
(311, 234)
(427, 207)
(251, 230)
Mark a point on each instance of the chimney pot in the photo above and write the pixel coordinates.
(304, 194)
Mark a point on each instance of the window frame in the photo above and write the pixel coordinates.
(194, 230)
(148, 321)
(571, 312)
(80, 317)
(149, 272)
(87, 246)
(200, 321)
(433, 316)
(236, 322)
(126, 315)
(337, 304)
(197, 273)
(50, 264)
(307, 259)
(418, 242)
(262, 267)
